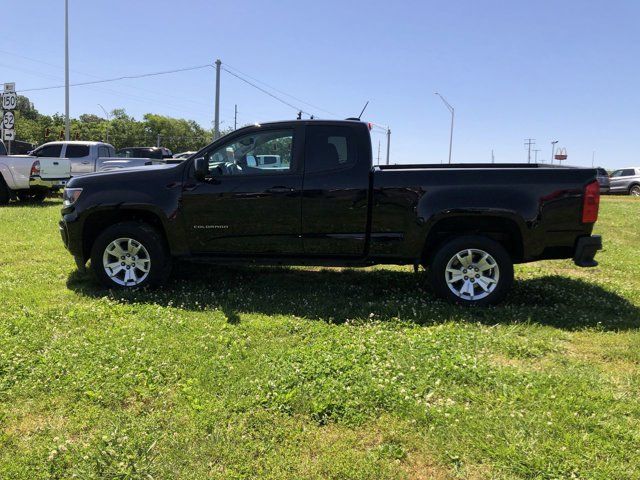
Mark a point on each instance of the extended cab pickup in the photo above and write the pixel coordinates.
(83, 157)
(326, 204)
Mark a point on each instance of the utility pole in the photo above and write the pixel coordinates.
(528, 142)
(388, 143)
(216, 122)
(553, 148)
(535, 155)
(106, 114)
(453, 114)
(378, 152)
(67, 130)
(158, 140)
(493, 158)
(235, 118)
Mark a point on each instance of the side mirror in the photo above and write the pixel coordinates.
(201, 167)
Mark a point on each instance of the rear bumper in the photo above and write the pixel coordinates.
(50, 183)
(586, 249)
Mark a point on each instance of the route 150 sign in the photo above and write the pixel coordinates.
(9, 100)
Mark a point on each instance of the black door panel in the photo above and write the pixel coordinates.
(335, 192)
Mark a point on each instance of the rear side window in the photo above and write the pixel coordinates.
(49, 151)
(329, 148)
(625, 172)
(77, 151)
(103, 152)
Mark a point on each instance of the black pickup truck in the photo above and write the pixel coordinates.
(305, 192)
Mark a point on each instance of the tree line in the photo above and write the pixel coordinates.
(120, 129)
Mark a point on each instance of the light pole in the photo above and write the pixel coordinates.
(67, 130)
(108, 120)
(553, 148)
(452, 110)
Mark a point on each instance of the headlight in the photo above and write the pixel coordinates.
(70, 195)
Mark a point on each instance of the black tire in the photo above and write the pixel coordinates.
(502, 275)
(5, 193)
(159, 266)
(634, 191)
(32, 197)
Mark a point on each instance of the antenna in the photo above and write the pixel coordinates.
(363, 109)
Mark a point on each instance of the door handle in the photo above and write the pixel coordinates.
(280, 190)
(86, 163)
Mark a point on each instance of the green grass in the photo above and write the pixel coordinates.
(277, 373)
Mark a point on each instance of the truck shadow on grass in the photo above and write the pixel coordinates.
(337, 296)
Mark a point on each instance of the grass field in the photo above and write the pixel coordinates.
(317, 373)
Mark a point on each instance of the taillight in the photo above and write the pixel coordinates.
(35, 168)
(591, 202)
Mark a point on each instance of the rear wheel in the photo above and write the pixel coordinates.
(29, 196)
(130, 255)
(635, 191)
(471, 270)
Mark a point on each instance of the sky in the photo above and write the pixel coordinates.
(549, 70)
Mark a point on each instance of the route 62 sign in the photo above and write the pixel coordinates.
(8, 121)
(9, 100)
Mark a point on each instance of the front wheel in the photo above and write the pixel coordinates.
(635, 191)
(130, 255)
(471, 270)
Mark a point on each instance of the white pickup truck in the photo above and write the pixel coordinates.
(50, 166)
(16, 172)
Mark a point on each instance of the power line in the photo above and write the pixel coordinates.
(265, 91)
(124, 77)
(280, 91)
(146, 90)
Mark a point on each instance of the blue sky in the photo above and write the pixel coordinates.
(566, 70)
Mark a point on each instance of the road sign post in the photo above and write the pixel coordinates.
(9, 103)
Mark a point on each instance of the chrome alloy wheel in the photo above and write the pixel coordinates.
(126, 262)
(472, 274)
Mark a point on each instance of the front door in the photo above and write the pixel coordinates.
(245, 206)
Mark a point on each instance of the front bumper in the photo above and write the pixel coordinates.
(586, 249)
(50, 183)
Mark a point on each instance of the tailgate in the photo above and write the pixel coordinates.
(54, 168)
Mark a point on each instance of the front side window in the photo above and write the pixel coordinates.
(51, 151)
(260, 153)
(77, 151)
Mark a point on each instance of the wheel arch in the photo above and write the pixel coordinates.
(501, 229)
(96, 222)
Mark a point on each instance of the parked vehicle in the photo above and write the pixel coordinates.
(16, 171)
(603, 180)
(466, 223)
(3, 149)
(626, 181)
(84, 157)
(145, 152)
